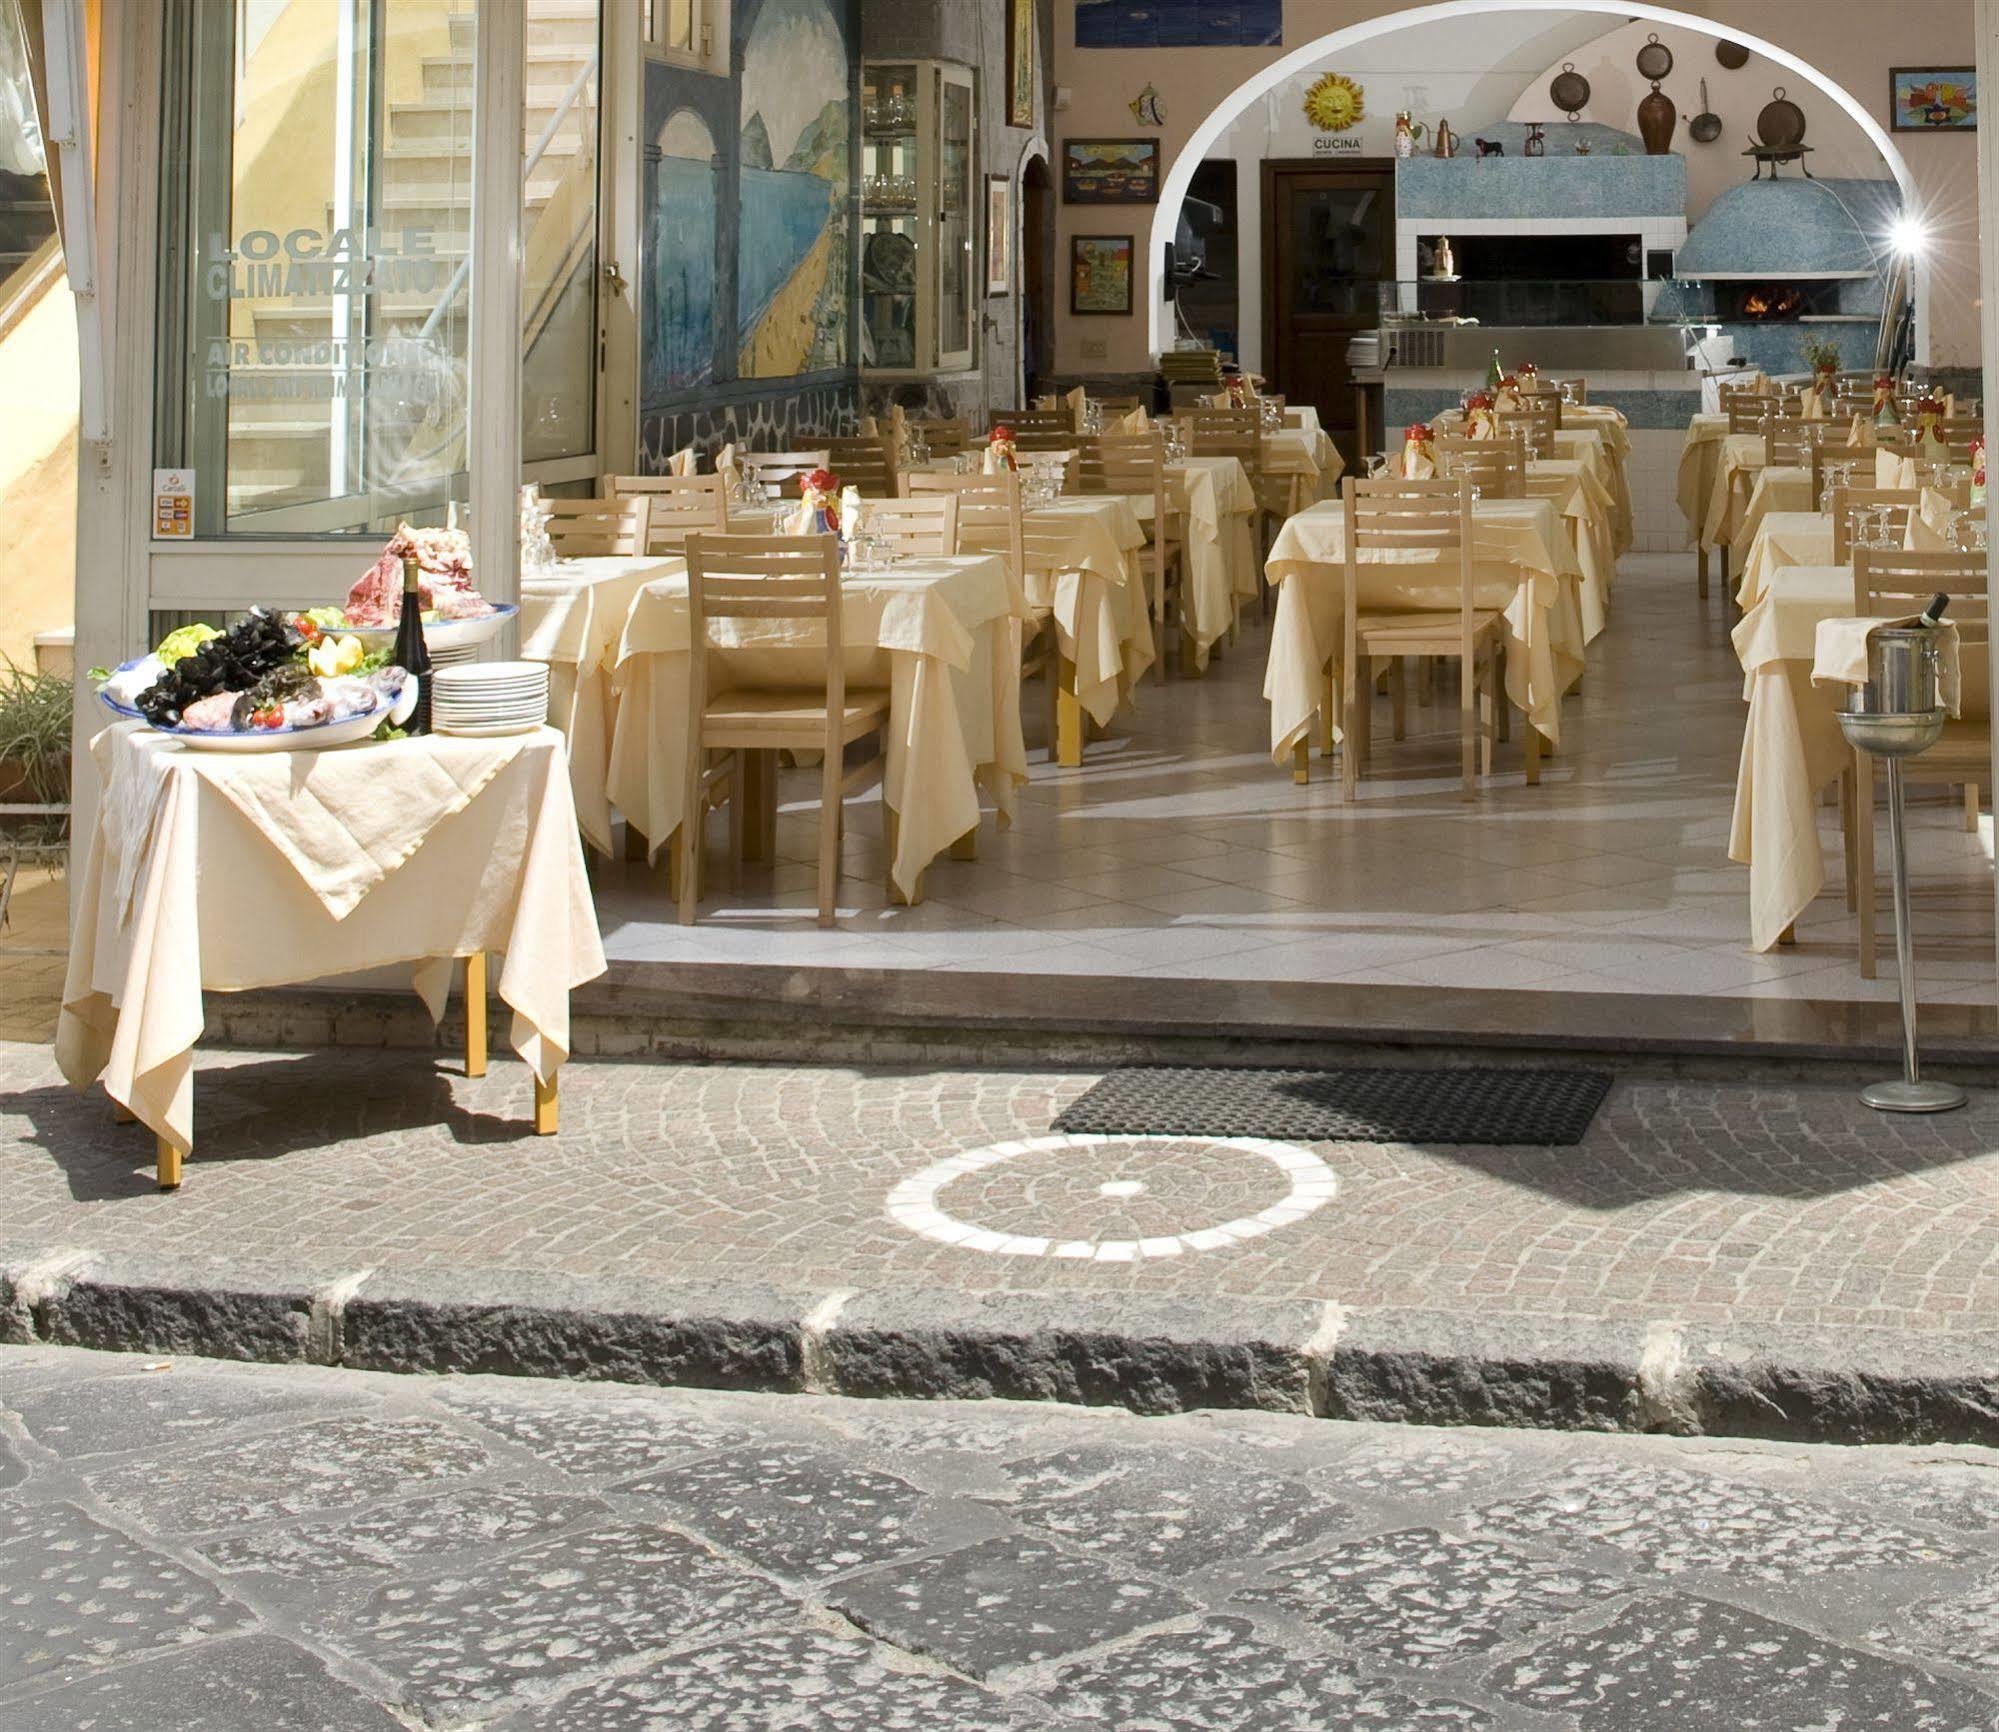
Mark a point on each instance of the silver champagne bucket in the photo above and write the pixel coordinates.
(1895, 715)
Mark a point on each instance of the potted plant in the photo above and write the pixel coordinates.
(35, 716)
(1823, 359)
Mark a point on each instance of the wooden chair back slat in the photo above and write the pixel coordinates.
(1496, 467)
(1790, 440)
(923, 526)
(1539, 418)
(678, 506)
(598, 528)
(989, 514)
(1843, 502)
(781, 470)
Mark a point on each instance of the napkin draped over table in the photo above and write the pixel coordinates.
(1841, 658)
(685, 461)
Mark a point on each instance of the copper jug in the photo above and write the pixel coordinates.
(1447, 140)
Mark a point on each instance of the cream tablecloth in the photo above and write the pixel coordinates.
(1700, 457)
(942, 636)
(1082, 561)
(572, 618)
(1735, 472)
(1784, 489)
(1783, 539)
(1611, 426)
(1307, 453)
(231, 871)
(1523, 566)
(1586, 506)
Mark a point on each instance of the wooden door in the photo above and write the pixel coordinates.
(1328, 242)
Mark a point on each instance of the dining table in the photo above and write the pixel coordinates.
(225, 871)
(572, 617)
(1524, 567)
(942, 636)
(1778, 488)
(1590, 514)
(1783, 539)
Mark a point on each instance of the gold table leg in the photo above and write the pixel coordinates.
(123, 1115)
(967, 846)
(547, 1107)
(1301, 761)
(1068, 719)
(166, 1164)
(475, 1014)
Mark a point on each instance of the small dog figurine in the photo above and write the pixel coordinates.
(1489, 147)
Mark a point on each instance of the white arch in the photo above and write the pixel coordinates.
(1173, 190)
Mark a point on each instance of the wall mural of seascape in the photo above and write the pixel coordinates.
(795, 151)
(679, 313)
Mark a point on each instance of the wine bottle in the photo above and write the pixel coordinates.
(411, 655)
(1933, 614)
(1494, 373)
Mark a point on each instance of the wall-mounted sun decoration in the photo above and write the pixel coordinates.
(1335, 103)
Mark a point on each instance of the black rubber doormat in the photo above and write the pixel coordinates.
(1547, 1108)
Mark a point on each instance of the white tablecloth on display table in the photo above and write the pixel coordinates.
(941, 636)
(1523, 567)
(232, 871)
(1082, 560)
(1784, 490)
(1611, 426)
(1308, 454)
(572, 618)
(1217, 507)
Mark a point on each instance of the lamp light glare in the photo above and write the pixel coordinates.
(1908, 236)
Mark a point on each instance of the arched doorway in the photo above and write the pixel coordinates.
(1179, 176)
(1037, 276)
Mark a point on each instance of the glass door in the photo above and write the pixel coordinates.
(957, 201)
(316, 253)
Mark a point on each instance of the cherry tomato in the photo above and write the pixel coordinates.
(270, 716)
(308, 629)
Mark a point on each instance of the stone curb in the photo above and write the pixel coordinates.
(1148, 1355)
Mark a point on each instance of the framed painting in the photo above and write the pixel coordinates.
(1933, 98)
(1110, 171)
(1023, 60)
(1100, 273)
(999, 235)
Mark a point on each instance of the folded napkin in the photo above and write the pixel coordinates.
(1892, 469)
(1136, 422)
(1923, 536)
(1507, 400)
(1417, 463)
(1860, 436)
(726, 463)
(994, 463)
(683, 462)
(869, 428)
(853, 512)
(1812, 406)
(1841, 658)
(1481, 424)
(1078, 400)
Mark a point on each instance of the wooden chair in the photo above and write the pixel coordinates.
(864, 463)
(1432, 517)
(925, 527)
(990, 520)
(1134, 464)
(1057, 420)
(597, 528)
(1113, 407)
(1576, 385)
(1537, 419)
(1825, 455)
(678, 506)
(1790, 440)
(1846, 405)
(945, 438)
(1890, 584)
(1746, 414)
(785, 577)
(1496, 467)
(1845, 501)
(780, 470)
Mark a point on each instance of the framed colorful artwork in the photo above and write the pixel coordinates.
(1100, 273)
(999, 235)
(1933, 98)
(1023, 61)
(1110, 171)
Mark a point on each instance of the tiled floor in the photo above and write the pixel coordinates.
(1179, 850)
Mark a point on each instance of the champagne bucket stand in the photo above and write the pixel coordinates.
(1895, 716)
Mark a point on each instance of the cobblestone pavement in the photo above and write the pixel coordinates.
(203, 1546)
(1700, 1202)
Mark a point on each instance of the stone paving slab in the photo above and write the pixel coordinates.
(592, 1558)
(1756, 1258)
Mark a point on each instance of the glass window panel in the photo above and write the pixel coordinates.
(559, 237)
(314, 269)
(954, 229)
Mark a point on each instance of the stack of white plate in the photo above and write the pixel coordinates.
(486, 698)
(455, 655)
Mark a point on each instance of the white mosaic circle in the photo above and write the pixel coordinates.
(913, 1203)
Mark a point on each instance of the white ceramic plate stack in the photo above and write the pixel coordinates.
(489, 698)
